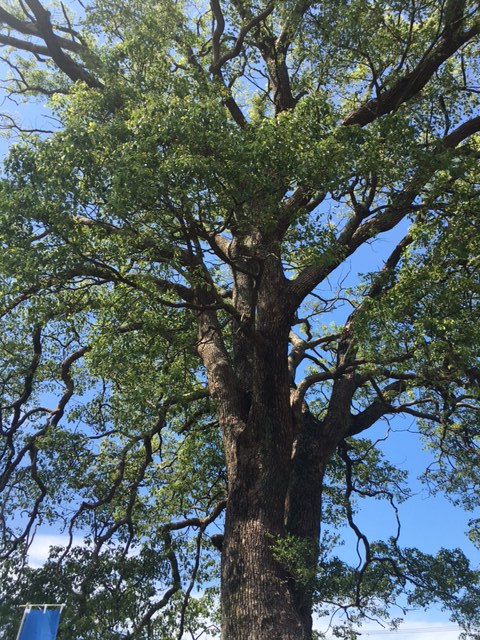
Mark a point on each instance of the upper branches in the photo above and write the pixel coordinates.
(55, 46)
(435, 61)
(367, 223)
(30, 28)
(274, 51)
(455, 34)
(219, 58)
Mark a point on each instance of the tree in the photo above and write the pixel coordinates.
(170, 265)
(104, 604)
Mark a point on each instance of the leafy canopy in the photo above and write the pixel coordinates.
(190, 141)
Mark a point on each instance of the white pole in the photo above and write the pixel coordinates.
(25, 611)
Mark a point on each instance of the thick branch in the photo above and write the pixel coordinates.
(356, 233)
(379, 407)
(461, 133)
(220, 60)
(30, 375)
(26, 28)
(69, 383)
(346, 351)
(275, 61)
(300, 348)
(31, 29)
(452, 39)
(223, 383)
(55, 47)
(24, 45)
(217, 33)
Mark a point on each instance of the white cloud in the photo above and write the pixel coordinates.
(40, 547)
(433, 626)
(417, 629)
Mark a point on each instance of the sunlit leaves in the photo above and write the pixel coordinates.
(147, 223)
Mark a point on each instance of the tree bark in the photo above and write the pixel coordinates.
(257, 599)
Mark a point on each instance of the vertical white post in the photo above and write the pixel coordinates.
(25, 611)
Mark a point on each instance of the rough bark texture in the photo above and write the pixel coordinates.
(258, 598)
(303, 505)
(276, 458)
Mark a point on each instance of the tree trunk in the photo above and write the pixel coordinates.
(258, 598)
(266, 482)
(276, 480)
(258, 602)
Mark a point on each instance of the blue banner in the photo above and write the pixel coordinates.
(40, 624)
